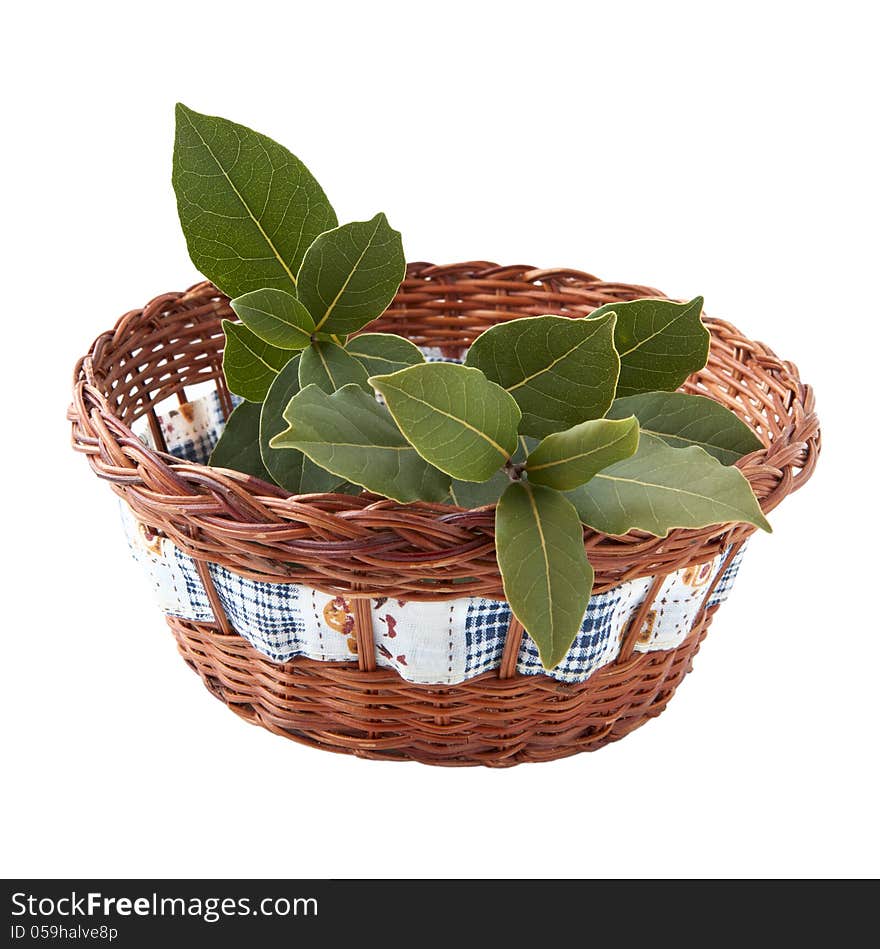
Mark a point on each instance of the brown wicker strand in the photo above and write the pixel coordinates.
(512, 642)
(363, 631)
(719, 573)
(156, 431)
(220, 617)
(636, 624)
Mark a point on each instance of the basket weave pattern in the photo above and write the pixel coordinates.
(369, 547)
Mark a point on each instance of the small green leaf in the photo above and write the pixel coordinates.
(567, 459)
(292, 470)
(660, 343)
(276, 317)
(239, 445)
(547, 577)
(350, 274)
(471, 494)
(659, 488)
(249, 209)
(349, 433)
(561, 371)
(454, 417)
(384, 352)
(682, 420)
(330, 367)
(250, 364)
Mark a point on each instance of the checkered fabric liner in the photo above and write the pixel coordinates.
(191, 430)
(728, 578)
(443, 642)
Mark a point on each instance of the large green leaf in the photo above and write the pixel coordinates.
(276, 317)
(659, 488)
(350, 274)
(682, 420)
(547, 577)
(249, 209)
(249, 363)
(329, 366)
(291, 469)
(349, 433)
(239, 445)
(561, 371)
(384, 352)
(566, 459)
(660, 343)
(453, 416)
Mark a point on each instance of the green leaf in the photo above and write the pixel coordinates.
(453, 416)
(561, 371)
(239, 445)
(292, 470)
(384, 352)
(471, 494)
(350, 274)
(349, 433)
(659, 488)
(682, 420)
(276, 317)
(330, 367)
(567, 459)
(249, 209)
(660, 343)
(547, 577)
(250, 364)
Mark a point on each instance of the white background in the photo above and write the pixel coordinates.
(726, 150)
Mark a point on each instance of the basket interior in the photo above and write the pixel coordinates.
(176, 353)
(172, 350)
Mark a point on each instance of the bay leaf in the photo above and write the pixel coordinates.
(659, 488)
(681, 420)
(239, 446)
(547, 577)
(453, 416)
(330, 367)
(290, 469)
(561, 371)
(567, 459)
(350, 274)
(277, 317)
(350, 434)
(249, 208)
(384, 352)
(249, 363)
(660, 343)
(471, 494)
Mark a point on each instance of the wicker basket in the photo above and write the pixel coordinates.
(363, 547)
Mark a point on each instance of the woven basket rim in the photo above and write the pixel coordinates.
(218, 515)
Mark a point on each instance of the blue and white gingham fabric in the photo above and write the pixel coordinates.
(192, 430)
(597, 643)
(443, 642)
(485, 626)
(728, 578)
